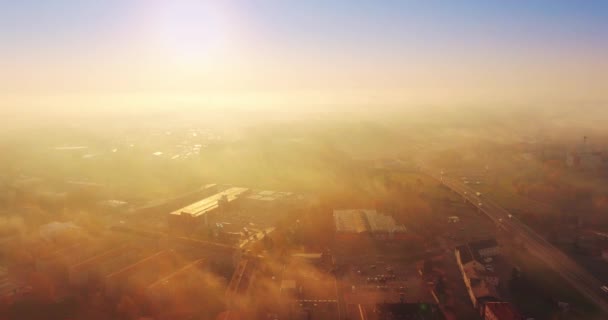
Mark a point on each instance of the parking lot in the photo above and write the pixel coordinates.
(384, 282)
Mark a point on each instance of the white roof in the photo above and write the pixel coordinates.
(365, 220)
(210, 203)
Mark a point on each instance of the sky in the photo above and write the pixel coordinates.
(91, 55)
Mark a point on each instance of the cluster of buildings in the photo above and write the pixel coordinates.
(233, 214)
(481, 281)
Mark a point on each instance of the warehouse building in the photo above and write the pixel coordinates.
(202, 212)
(354, 224)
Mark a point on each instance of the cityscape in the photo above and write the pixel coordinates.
(292, 160)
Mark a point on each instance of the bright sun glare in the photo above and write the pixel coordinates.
(192, 31)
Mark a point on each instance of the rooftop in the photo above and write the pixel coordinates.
(268, 195)
(365, 220)
(479, 285)
(211, 203)
(351, 220)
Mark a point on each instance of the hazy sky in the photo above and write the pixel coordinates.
(145, 54)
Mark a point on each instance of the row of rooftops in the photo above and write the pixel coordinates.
(268, 195)
(480, 282)
(365, 220)
(213, 201)
(480, 285)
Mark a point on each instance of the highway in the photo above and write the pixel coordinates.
(574, 274)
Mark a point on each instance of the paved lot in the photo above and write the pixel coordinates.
(364, 284)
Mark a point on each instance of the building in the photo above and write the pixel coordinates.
(485, 248)
(481, 285)
(500, 311)
(200, 212)
(266, 198)
(359, 223)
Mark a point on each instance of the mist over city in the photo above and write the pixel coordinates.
(290, 160)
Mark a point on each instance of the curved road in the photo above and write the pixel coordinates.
(574, 274)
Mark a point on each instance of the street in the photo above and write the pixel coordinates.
(575, 275)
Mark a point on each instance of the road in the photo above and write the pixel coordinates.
(574, 274)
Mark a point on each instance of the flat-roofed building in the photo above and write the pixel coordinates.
(356, 223)
(200, 211)
(480, 283)
(268, 198)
